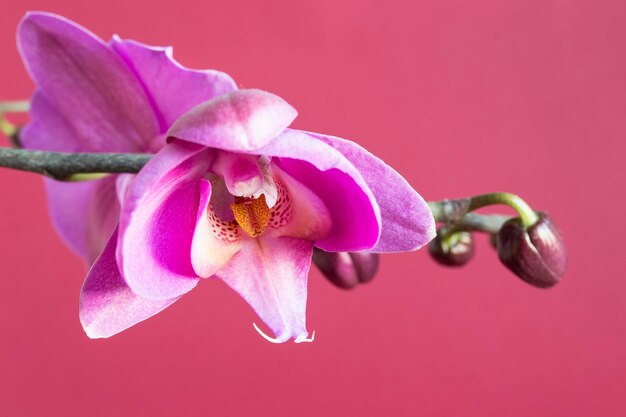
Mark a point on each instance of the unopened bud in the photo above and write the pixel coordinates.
(455, 249)
(536, 254)
(346, 269)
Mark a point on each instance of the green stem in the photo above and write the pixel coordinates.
(526, 214)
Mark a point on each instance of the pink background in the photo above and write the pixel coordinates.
(462, 97)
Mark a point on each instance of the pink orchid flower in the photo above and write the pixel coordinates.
(238, 196)
(93, 96)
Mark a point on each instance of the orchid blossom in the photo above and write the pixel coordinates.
(93, 96)
(232, 193)
(240, 197)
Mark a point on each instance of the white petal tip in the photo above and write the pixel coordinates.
(299, 339)
(305, 339)
(93, 333)
(266, 337)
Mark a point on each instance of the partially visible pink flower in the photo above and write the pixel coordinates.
(239, 196)
(93, 96)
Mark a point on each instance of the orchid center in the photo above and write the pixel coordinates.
(252, 214)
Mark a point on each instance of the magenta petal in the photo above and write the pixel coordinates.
(271, 275)
(324, 170)
(107, 304)
(214, 241)
(84, 213)
(407, 222)
(87, 84)
(173, 88)
(158, 220)
(240, 121)
(298, 212)
(49, 130)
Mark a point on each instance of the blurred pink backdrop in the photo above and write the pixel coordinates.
(461, 97)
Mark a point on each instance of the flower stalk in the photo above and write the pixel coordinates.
(64, 166)
(453, 245)
(456, 214)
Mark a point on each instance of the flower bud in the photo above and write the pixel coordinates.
(536, 254)
(455, 249)
(346, 269)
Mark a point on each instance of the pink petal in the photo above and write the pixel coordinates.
(84, 213)
(407, 222)
(86, 84)
(298, 211)
(243, 120)
(122, 182)
(107, 304)
(173, 88)
(158, 220)
(241, 173)
(214, 241)
(271, 275)
(49, 130)
(324, 170)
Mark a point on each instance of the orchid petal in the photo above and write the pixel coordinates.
(406, 226)
(158, 220)
(84, 213)
(87, 84)
(107, 304)
(271, 275)
(173, 88)
(122, 182)
(298, 211)
(243, 120)
(241, 173)
(214, 241)
(324, 170)
(49, 130)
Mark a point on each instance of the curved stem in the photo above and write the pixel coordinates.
(526, 214)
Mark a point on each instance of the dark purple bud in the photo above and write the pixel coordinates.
(455, 249)
(536, 254)
(346, 269)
